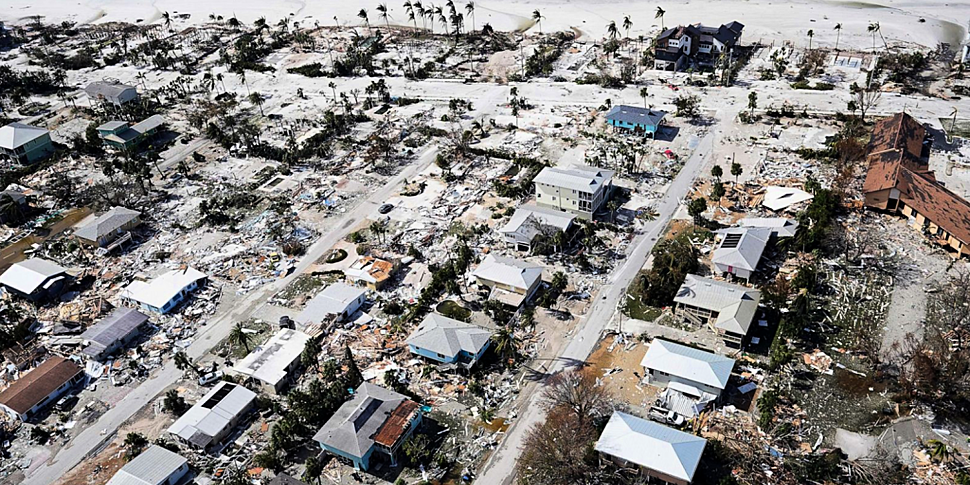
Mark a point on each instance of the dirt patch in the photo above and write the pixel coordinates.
(617, 366)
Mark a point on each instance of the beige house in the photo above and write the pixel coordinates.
(578, 190)
(511, 281)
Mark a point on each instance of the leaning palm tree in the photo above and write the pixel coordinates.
(183, 363)
(506, 344)
(419, 12)
(873, 29)
(611, 30)
(838, 35)
(660, 15)
(238, 336)
(363, 16)
(382, 10)
(537, 18)
(257, 99)
(627, 25)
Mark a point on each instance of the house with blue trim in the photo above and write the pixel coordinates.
(642, 121)
(449, 341)
(164, 293)
(372, 425)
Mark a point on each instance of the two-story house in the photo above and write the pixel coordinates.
(578, 190)
(25, 144)
(697, 44)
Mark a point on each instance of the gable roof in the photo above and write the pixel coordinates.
(213, 413)
(447, 336)
(333, 300)
(16, 135)
(269, 362)
(108, 89)
(162, 289)
(27, 276)
(896, 142)
(741, 247)
(651, 445)
(528, 216)
(779, 226)
(107, 223)
(635, 115)
(688, 363)
(153, 466)
(937, 203)
(584, 179)
(121, 323)
(779, 198)
(508, 271)
(735, 305)
(355, 427)
(34, 386)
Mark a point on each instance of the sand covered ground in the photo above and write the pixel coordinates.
(769, 21)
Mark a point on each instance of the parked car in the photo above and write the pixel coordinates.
(665, 416)
(385, 208)
(209, 378)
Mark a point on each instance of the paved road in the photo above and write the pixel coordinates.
(500, 469)
(92, 438)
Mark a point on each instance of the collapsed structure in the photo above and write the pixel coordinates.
(213, 418)
(899, 181)
(274, 363)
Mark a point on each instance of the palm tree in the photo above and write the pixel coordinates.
(838, 35)
(183, 363)
(660, 15)
(487, 30)
(363, 16)
(221, 81)
(811, 33)
(382, 9)
(611, 30)
(612, 205)
(238, 336)
(506, 344)
(333, 87)
(873, 29)
(167, 19)
(470, 9)
(314, 468)
(537, 18)
(257, 100)
(242, 78)
(627, 25)
(736, 170)
(643, 94)
(939, 451)
(419, 11)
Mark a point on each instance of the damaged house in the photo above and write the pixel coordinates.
(371, 272)
(338, 300)
(273, 365)
(24, 144)
(899, 181)
(35, 279)
(113, 332)
(662, 454)
(375, 421)
(154, 466)
(530, 221)
(109, 230)
(111, 92)
(511, 281)
(36, 389)
(122, 136)
(691, 378)
(449, 341)
(165, 292)
(213, 418)
(727, 308)
(694, 45)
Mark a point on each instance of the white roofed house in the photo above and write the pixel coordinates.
(338, 300)
(780, 227)
(164, 293)
(511, 281)
(692, 378)
(111, 92)
(530, 221)
(663, 453)
(739, 250)
(35, 279)
(579, 190)
(109, 227)
(206, 424)
(24, 144)
(154, 466)
(274, 363)
(727, 308)
(449, 341)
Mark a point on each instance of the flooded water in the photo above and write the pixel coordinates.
(14, 253)
(856, 385)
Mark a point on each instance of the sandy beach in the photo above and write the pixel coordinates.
(908, 23)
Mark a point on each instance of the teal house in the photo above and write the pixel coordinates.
(371, 426)
(641, 121)
(449, 341)
(25, 144)
(120, 136)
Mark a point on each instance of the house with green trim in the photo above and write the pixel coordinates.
(25, 144)
(120, 136)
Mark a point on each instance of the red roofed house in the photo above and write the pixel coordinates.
(899, 180)
(40, 387)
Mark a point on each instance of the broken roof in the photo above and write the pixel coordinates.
(635, 115)
(121, 323)
(583, 179)
(374, 414)
(937, 203)
(527, 216)
(779, 226)
(370, 269)
(27, 276)
(154, 466)
(741, 247)
(508, 271)
(896, 142)
(16, 135)
(269, 362)
(107, 223)
(688, 363)
(651, 445)
(735, 305)
(333, 300)
(36, 385)
(162, 289)
(447, 336)
(780, 198)
(213, 413)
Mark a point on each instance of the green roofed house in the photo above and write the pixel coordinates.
(25, 144)
(119, 135)
(641, 121)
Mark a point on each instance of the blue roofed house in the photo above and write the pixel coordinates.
(642, 121)
(375, 421)
(449, 341)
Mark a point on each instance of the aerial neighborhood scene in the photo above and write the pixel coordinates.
(501, 242)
